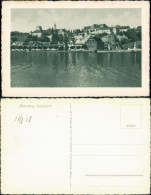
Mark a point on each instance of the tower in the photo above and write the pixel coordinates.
(55, 26)
(39, 28)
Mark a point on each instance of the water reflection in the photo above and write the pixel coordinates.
(75, 69)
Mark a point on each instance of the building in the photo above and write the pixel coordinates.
(99, 30)
(86, 28)
(17, 43)
(77, 32)
(39, 28)
(88, 41)
(78, 37)
(110, 42)
(37, 32)
(91, 44)
(46, 32)
(50, 37)
(57, 46)
(95, 26)
(114, 30)
(61, 32)
(133, 45)
(109, 38)
(120, 37)
(124, 28)
(106, 39)
(102, 25)
(102, 30)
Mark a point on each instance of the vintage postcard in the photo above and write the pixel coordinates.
(75, 146)
(75, 49)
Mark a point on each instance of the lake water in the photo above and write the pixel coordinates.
(75, 69)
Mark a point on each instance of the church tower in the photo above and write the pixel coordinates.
(55, 26)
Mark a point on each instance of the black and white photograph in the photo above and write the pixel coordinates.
(76, 47)
(82, 47)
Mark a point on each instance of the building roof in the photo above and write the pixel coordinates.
(37, 31)
(96, 26)
(108, 38)
(61, 29)
(31, 43)
(56, 44)
(123, 27)
(77, 31)
(104, 28)
(83, 41)
(105, 39)
(78, 36)
(48, 30)
(47, 44)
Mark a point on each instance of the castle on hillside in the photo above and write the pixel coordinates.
(39, 31)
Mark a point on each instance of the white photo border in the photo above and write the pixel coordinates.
(8, 91)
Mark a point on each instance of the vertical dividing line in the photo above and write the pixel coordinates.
(70, 145)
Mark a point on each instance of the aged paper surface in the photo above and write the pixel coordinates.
(26, 80)
(71, 146)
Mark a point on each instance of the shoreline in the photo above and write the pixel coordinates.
(110, 51)
(69, 51)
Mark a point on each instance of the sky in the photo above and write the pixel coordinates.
(26, 20)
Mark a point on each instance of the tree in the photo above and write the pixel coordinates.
(13, 33)
(66, 46)
(52, 31)
(84, 46)
(13, 39)
(39, 47)
(44, 47)
(102, 34)
(43, 39)
(121, 33)
(34, 38)
(139, 35)
(66, 38)
(124, 41)
(61, 48)
(132, 34)
(31, 38)
(55, 47)
(14, 47)
(34, 47)
(139, 46)
(55, 36)
(54, 42)
(60, 38)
